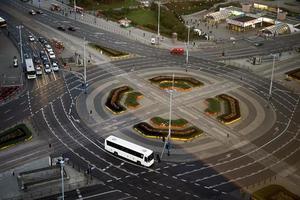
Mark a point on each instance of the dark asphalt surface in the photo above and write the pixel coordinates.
(206, 179)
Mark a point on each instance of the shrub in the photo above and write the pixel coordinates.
(113, 100)
(14, 135)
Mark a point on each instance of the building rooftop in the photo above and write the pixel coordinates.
(244, 18)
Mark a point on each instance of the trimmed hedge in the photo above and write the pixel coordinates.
(295, 74)
(113, 100)
(188, 80)
(14, 135)
(131, 99)
(165, 122)
(182, 134)
(232, 108)
(107, 51)
(274, 192)
(177, 84)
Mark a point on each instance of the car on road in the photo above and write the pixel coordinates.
(71, 28)
(32, 12)
(177, 51)
(38, 70)
(47, 68)
(39, 12)
(15, 61)
(52, 55)
(153, 41)
(31, 38)
(258, 44)
(61, 28)
(42, 40)
(55, 66)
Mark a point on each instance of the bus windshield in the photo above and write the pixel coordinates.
(149, 158)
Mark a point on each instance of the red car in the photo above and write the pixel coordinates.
(178, 51)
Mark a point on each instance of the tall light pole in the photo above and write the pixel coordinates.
(158, 22)
(75, 10)
(187, 48)
(272, 75)
(61, 162)
(84, 66)
(167, 141)
(20, 40)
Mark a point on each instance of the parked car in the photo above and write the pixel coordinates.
(153, 41)
(55, 66)
(51, 55)
(71, 28)
(38, 70)
(42, 40)
(47, 68)
(31, 38)
(178, 51)
(61, 28)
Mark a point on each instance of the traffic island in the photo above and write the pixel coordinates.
(294, 74)
(274, 192)
(159, 129)
(231, 108)
(114, 101)
(111, 53)
(213, 106)
(10, 137)
(180, 83)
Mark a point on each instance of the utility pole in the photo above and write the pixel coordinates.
(21, 47)
(272, 75)
(167, 141)
(84, 66)
(158, 22)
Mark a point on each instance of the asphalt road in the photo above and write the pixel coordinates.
(51, 108)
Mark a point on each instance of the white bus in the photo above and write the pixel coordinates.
(30, 70)
(130, 151)
(2, 22)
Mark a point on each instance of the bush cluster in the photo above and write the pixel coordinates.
(14, 135)
(113, 100)
(185, 134)
(232, 109)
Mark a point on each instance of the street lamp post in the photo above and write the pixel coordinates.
(187, 49)
(167, 141)
(75, 10)
(21, 47)
(272, 75)
(158, 22)
(61, 162)
(84, 66)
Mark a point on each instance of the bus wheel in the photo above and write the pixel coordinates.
(138, 162)
(115, 153)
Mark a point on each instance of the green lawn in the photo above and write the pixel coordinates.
(94, 4)
(143, 17)
(213, 105)
(177, 84)
(131, 99)
(165, 122)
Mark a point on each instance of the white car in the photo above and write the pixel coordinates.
(51, 54)
(31, 38)
(153, 41)
(55, 66)
(47, 68)
(39, 70)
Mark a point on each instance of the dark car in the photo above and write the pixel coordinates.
(61, 28)
(32, 12)
(258, 44)
(71, 28)
(39, 12)
(43, 40)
